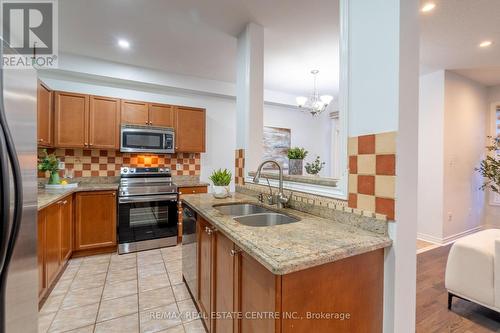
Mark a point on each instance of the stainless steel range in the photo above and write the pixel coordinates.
(147, 209)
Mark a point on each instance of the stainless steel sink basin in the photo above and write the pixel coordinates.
(265, 219)
(241, 209)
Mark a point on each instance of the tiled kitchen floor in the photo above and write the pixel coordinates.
(129, 293)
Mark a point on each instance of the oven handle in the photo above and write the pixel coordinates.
(149, 198)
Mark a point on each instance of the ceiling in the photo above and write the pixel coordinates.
(450, 36)
(198, 37)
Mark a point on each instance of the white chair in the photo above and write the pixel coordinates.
(473, 269)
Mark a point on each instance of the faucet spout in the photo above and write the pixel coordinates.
(282, 200)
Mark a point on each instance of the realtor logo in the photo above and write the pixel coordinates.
(29, 33)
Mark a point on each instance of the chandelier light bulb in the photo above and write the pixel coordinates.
(301, 101)
(327, 99)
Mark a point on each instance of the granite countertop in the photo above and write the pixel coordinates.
(288, 248)
(48, 197)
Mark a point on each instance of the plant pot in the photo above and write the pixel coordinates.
(220, 192)
(295, 167)
(54, 178)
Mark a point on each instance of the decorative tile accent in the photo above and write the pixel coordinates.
(372, 173)
(239, 167)
(94, 163)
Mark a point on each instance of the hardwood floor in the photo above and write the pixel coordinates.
(432, 312)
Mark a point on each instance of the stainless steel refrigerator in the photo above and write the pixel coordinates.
(18, 201)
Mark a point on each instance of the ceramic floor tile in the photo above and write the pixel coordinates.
(194, 327)
(180, 292)
(155, 298)
(91, 268)
(176, 329)
(154, 259)
(153, 282)
(86, 329)
(44, 321)
(89, 281)
(69, 319)
(158, 319)
(153, 269)
(100, 258)
(120, 275)
(61, 288)
(80, 297)
(119, 289)
(175, 277)
(126, 324)
(187, 310)
(173, 266)
(123, 264)
(52, 304)
(69, 273)
(117, 307)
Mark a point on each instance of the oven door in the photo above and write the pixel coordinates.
(146, 141)
(143, 218)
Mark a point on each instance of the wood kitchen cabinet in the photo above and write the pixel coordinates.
(66, 207)
(193, 190)
(95, 220)
(161, 115)
(104, 123)
(71, 120)
(135, 112)
(52, 242)
(42, 283)
(230, 280)
(189, 129)
(44, 115)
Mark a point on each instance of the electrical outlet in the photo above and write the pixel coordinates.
(61, 166)
(178, 166)
(450, 216)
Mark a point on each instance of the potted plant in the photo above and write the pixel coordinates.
(315, 167)
(50, 163)
(296, 157)
(221, 180)
(490, 168)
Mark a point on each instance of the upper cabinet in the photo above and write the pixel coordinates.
(44, 113)
(161, 115)
(104, 123)
(71, 120)
(189, 129)
(134, 112)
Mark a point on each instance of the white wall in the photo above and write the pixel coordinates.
(465, 122)
(430, 152)
(494, 94)
(221, 118)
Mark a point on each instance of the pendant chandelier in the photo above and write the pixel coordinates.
(315, 104)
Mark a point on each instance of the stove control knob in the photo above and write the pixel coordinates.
(161, 170)
(124, 170)
(132, 170)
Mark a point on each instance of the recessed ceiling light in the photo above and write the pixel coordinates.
(485, 43)
(427, 7)
(123, 43)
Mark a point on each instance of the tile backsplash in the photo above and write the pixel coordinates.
(94, 162)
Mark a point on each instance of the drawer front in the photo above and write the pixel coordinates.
(192, 190)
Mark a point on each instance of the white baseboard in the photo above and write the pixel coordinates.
(452, 238)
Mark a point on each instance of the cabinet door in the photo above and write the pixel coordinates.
(95, 220)
(71, 120)
(161, 115)
(224, 263)
(257, 292)
(104, 123)
(44, 113)
(41, 252)
(189, 129)
(52, 241)
(192, 190)
(205, 250)
(66, 228)
(134, 112)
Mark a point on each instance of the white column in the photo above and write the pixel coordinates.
(250, 94)
(383, 49)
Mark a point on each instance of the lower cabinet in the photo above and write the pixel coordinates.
(342, 296)
(95, 220)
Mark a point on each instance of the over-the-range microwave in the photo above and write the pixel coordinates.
(147, 139)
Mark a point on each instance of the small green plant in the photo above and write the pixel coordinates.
(315, 167)
(490, 167)
(221, 177)
(50, 163)
(297, 153)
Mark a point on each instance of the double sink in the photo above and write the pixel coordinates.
(255, 216)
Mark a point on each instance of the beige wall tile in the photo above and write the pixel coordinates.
(385, 143)
(352, 146)
(366, 164)
(353, 183)
(385, 186)
(366, 202)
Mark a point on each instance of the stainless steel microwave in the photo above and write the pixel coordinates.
(147, 139)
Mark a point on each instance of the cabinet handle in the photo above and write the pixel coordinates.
(91, 144)
(194, 191)
(40, 140)
(147, 122)
(59, 202)
(85, 144)
(234, 252)
(113, 194)
(65, 202)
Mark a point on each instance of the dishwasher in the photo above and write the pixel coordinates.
(189, 248)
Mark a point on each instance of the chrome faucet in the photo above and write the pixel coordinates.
(282, 200)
